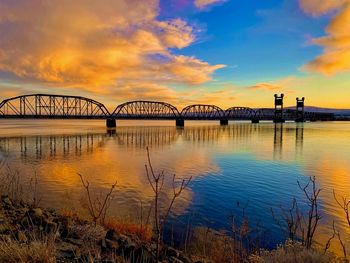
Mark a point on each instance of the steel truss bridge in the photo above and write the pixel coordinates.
(46, 106)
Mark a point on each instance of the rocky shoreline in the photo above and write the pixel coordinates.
(33, 234)
(71, 239)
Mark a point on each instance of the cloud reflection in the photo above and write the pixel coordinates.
(197, 151)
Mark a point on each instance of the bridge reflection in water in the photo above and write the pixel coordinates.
(120, 153)
(62, 146)
(48, 147)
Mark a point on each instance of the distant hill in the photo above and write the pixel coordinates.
(338, 112)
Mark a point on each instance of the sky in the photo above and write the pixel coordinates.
(222, 52)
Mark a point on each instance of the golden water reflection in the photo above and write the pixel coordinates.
(200, 151)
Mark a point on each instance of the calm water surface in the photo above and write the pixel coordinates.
(257, 165)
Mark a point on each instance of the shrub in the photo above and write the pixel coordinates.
(292, 252)
(143, 232)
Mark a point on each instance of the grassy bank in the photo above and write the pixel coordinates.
(33, 234)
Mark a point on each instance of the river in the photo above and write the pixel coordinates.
(257, 166)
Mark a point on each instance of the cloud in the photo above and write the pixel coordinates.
(266, 86)
(97, 46)
(204, 3)
(319, 7)
(191, 70)
(336, 54)
(224, 95)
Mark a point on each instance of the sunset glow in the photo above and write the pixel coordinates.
(227, 53)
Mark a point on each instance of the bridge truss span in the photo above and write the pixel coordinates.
(264, 114)
(240, 113)
(52, 106)
(146, 110)
(203, 112)
(49, 106)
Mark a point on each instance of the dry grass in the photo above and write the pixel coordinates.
(214, 246)
(143, 232)
(88, 232)
(70, 214)
(34, 252)
(292, 252)
(11, 183)
(88, 236)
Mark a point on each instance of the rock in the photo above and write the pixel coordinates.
(113, 245)
(76, 242)
(67, 250)
(103, 244)
(75, 236)
(6, 228)
(112, 235)
(7, 201)
(50, 226)
(129, 249)
(171, 252)
(5, 238)
(37, 212)
(174, 260)
(26, 222)
(185, 259)
(21, 237)
(11, 214)
(62, 225)
(22, 211)
(124, 240)
(33, 216)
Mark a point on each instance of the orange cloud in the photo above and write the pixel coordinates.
(224, 96)
(96, 46)
(266, 86)
(336, 54)
(204, 3)
(191, 70)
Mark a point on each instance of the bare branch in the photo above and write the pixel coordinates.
(157, 185)
(344, 205)
(97, 208)
(328, 243)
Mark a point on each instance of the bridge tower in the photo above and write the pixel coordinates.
(278, 118)
(300, 110)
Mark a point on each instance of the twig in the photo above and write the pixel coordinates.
(96, 208)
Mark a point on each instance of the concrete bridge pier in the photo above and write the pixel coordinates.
(180, 122)
(223, 122)
(111, 123)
